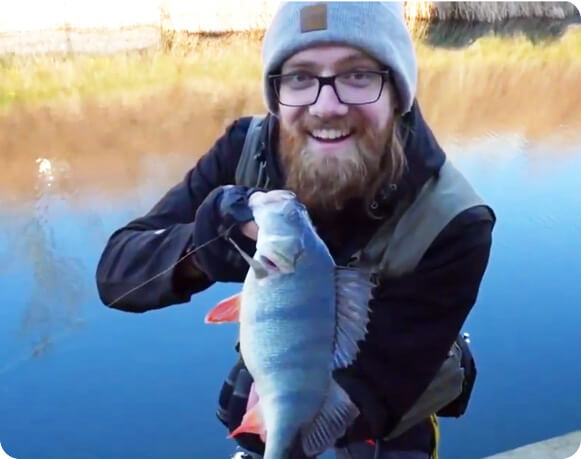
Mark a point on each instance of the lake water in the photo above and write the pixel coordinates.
(79, 380)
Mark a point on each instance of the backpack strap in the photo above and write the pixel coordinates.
(441, 199)
(400, 243)
(251, 168)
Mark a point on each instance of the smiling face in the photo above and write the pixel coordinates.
(332, 151)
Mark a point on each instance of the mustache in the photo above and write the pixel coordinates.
(344, 123)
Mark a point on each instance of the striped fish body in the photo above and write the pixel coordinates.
(287, 331)
(300, 318)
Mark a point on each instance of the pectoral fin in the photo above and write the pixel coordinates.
(353, 295)
(225, 311)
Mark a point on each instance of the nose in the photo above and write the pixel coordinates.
(328, 104)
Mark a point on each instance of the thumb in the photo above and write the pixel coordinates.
(234, 204)
(250, 230)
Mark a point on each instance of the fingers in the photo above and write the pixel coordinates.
(234, 204)
(250, 230)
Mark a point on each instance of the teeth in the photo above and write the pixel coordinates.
(329, 134)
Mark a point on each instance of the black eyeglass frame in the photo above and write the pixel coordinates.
(330, 80)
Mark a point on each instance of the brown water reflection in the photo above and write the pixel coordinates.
(104, 148)
(99, 147)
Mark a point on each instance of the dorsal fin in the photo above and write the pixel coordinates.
(353, 294)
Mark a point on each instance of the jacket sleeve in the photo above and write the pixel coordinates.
(136, 270)
(415, 320)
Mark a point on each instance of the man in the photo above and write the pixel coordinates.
(345, 133)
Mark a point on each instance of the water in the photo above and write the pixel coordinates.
(78, 380)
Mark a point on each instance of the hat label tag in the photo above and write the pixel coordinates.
(314, 17)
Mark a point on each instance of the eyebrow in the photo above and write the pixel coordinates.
(351, 59)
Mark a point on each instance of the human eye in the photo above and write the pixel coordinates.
(298, 80)
(358, 78)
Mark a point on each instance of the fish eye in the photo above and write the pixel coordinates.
(293, 214)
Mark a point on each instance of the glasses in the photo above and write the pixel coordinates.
(358, 87)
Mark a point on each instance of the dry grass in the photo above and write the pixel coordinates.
(532, 89)
(102, 138)
(103, 144)
(186, 59)
(210, 62)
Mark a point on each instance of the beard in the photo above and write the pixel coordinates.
(325, 182)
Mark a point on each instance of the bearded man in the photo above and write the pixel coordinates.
(345, 133)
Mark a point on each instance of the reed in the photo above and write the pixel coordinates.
(215, 64)
(101, 117)
(202, 61)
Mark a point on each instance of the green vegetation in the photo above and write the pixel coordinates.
(214, 64)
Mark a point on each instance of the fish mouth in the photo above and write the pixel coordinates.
(276, 264)
(268, 263)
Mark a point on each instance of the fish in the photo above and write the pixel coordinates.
(300, 317)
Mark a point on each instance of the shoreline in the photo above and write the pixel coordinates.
(203, 59)
(562, 447)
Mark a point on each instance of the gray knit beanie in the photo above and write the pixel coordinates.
(377, 28)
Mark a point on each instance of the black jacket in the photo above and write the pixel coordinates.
(415, 318)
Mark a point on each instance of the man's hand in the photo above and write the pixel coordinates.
(224, 211)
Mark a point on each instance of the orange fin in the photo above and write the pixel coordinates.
(225, 311)
(251, 423)
(252, 398)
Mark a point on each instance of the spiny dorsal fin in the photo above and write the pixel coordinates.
(353, 295)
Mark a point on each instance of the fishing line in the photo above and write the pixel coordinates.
(40, 348)
(143, 284)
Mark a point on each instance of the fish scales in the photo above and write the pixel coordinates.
(300, 317)
(287, 329)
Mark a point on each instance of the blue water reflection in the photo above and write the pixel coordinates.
(78, 380)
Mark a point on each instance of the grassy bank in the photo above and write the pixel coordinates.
(102, 117)
(213, 64)
(203, 62)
